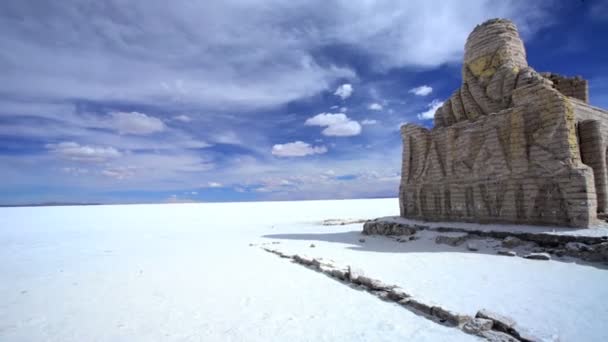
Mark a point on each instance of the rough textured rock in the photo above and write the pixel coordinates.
(477, 325)
(596, 250)
(419, 306)
(472, 246)
(577, 247)
(511, 242)
(498, 336)
(501, 323)
(451, 240)
(538, 256)
(386, 228)
(510, 145)
(397, 294)
(449, 317)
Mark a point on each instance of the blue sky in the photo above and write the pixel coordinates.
(156, 101)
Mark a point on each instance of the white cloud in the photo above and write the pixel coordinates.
(74, 151)
(336, 124)
(150, 47)
(119, 172)
(344, 91)
(375, 106)
(345, 129)
(135, 123)
(297, 149)
(214, 185)
(343, 109)
(182, 118)
(75, 171)
(422, 90)
(369, 122)
(430, 113)
(326, 119)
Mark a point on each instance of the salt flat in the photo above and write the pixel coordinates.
(184, 272)
(187, 272)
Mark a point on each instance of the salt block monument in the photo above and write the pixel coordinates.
(510, 145)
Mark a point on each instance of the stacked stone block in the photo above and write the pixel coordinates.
(508, 146)
(575, 87)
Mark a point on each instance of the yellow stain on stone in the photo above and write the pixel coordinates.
(488, 72)
(478, 66)
(571, 125)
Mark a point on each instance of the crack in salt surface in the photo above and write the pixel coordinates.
(486, 324)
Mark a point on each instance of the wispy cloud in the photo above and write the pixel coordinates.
(74, 151)
(182, 118)
(430, 112)
(369, 122)
(297, 149)
(135, 123)
(422, 90)
(336, 124)
(375, 106)
(344, 91)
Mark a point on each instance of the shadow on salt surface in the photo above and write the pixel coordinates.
(424, 243)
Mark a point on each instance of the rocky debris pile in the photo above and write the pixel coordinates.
(587, 248)
(378, 227)
(486, 324)
(593, 252)
(453, 241)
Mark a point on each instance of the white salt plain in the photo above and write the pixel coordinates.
(186, 272)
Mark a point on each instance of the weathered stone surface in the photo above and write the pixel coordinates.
(419, 306)
(477, 325)
(303, 259)
(575, 87)
(538, 256)
(397, 294)
(451, 240)
(472, 246)
(370, 283)
(448, 316)
(386, 228)
(339, 273)
(577, 247)
(510, 145)
(501, 323)
(511, 242)
(596, 250)
(498, 336)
